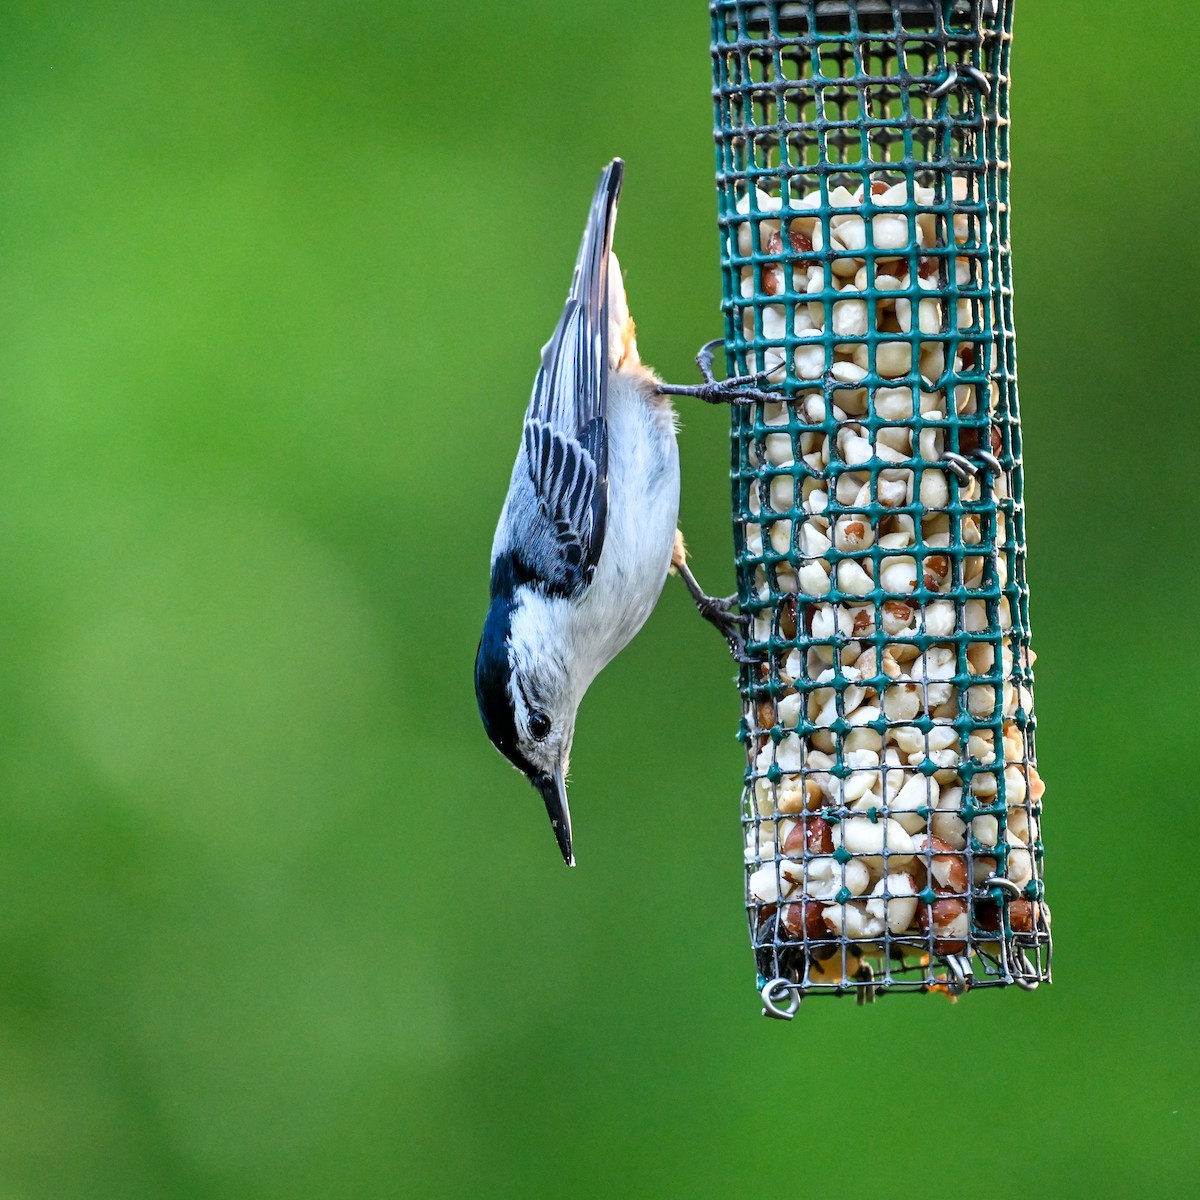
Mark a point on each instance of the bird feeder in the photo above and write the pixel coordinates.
(892, 803)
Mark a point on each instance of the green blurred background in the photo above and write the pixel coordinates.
(275, 919)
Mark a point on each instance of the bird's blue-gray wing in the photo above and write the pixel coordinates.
(564, 450)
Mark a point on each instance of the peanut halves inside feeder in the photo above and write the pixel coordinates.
(892, 823)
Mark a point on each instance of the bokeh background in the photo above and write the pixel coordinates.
(275, 919)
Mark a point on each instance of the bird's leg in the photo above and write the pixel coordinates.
(720, 612)
(722, 391)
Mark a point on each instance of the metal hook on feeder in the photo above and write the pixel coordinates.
(979, 79)
(1004, 885)
(866, 976)
(960, 466)
(959, 973)
(973, 76)
(1023, 970)
(963, 468)
(775, 990)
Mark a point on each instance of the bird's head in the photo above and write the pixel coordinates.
(527, 697)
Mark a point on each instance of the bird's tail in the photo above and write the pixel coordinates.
(597, 285)
(595, 334)
(595, 267)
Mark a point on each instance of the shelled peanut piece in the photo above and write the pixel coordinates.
(890, 772)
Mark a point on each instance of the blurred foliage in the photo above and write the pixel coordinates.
(276, 919)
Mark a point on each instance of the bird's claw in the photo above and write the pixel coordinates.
(722, 391)
(742, 656)
(731, 624)
(723, 612)
(720, 609)
(704, 358)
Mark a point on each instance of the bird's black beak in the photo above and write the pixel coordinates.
(554, 792)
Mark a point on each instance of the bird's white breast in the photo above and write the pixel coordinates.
(643, 511)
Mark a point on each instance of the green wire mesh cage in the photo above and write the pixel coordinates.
(892, 804)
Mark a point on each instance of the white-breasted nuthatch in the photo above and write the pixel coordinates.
(588, 531)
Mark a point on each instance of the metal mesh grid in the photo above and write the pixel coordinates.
(892, 804)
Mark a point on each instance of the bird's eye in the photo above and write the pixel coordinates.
(539, 725)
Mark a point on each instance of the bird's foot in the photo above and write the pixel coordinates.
(722, 391)
(722, 612)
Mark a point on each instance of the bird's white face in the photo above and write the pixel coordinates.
(544, 701)
(545, 698)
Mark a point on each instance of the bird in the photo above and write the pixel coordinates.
(589, 529)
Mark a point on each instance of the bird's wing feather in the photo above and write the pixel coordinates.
(564, 449)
